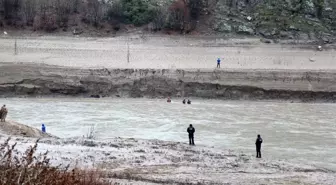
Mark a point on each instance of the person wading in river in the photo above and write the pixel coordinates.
(258, 146)
(191, 131)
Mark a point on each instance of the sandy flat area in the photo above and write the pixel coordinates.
(163, 52)
(161, 162)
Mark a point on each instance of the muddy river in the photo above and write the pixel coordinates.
(292, 131)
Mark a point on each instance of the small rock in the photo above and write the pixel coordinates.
(284, 34)
(245, 30)
(89, 143)
(267, 41)
(222, 27)
(292, 27)
(77, 31)
(265, 33)
(114, 145)
(140, 151)
(112, 157)
(95, 96)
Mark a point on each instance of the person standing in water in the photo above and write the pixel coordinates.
(191, 131)
(258, 146)
(218, 62)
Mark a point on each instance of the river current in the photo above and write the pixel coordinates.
(298, 132)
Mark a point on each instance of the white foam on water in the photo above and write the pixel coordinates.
(294, 131)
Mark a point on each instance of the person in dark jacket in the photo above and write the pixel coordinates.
(258, 146)
(189, 102)
(184, 101)
(191, 131)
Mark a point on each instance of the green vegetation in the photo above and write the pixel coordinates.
(268, 18)
(31, 168)
(138, 12)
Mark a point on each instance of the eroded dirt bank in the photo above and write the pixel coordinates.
(33, 80)
(16, 129)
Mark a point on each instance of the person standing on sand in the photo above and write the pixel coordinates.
(218, 62)
(43, 128)
(258, 146)
(3, 113)
(191, 131)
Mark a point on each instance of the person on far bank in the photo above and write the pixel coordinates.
(218, 62)
(191, 131)
(258, 146)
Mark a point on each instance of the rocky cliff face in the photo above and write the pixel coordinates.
(285, 19)
(31, 80)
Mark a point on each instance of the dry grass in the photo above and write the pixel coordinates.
(32, 169)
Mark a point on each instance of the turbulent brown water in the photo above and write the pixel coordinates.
(293, 131)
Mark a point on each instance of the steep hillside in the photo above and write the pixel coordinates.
(287, 19)
(273, 19)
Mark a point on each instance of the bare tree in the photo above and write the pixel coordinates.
(29, 11)
(160, 18)
(63, 10)
(195, 7)
(11, 9)
(75, 5)
(179, 15)
(94, 12)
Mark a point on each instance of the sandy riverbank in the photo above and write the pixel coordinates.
(17, 129)
(158, 67)
(164, 53)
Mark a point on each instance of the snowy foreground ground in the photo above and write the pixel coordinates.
(133, 161)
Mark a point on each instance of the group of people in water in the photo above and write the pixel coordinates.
(191, 130)
(184, 101)
(3, 113)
